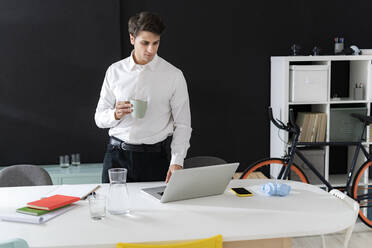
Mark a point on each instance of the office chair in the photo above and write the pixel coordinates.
(199, 161)
(355, 206)
(14, 243)
(24, 175)
(213, 242)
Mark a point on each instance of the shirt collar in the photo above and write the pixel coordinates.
(151, 65)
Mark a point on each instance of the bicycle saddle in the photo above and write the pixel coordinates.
(363, 118)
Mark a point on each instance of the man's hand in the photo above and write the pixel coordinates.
(172, 168)
(122, 108)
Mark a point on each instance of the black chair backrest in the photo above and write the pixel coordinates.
(202, 161)
(24, 175)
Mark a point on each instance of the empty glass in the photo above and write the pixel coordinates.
(118, 199)
(97, 207)
(77, 158)
(64, 161)
(61, 161)
(67, 160)
(73, 159)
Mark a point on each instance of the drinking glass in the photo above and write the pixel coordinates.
(63, 161)
(97, 207)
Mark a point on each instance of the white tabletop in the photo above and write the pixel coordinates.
(308, 210)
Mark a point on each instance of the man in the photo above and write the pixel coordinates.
(142, 145)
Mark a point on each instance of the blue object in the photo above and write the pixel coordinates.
(276, 189)
(13, 243)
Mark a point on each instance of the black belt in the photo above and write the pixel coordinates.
(136, 148)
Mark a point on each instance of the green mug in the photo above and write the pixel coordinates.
(138, 108)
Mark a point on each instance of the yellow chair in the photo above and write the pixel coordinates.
(213, 242)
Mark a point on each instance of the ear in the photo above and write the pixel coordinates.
(132, 38)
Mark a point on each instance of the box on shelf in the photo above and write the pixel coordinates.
(308, 83)
(316, 158)
(343, 127)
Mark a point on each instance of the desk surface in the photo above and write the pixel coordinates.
(308, 210)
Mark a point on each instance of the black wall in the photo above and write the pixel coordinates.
(53, 57)
(223, 48)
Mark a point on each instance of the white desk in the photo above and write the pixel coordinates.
(308, 210)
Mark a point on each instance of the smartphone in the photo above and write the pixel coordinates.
(241, 192)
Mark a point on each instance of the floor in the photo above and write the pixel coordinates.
(361, 238)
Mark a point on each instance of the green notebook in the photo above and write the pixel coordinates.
(34, 211)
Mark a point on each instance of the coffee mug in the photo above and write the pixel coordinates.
(138, 108)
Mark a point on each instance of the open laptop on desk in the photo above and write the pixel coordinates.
(195, 182)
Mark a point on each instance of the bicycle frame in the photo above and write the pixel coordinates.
(366, 196)
(284, 172)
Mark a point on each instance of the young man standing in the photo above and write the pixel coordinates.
(141, 145)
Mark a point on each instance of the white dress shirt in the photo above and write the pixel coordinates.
(164, 88)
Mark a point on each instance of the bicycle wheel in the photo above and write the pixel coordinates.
(362, 192)
(274, 164)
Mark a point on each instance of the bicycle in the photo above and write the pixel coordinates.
(284, 168)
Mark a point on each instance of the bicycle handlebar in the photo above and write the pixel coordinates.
(291, 126)
(275, 122)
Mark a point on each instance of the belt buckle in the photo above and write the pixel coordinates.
(132, 148)
(122, 146)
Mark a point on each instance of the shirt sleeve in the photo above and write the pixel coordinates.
(105, 111)
(182, 121)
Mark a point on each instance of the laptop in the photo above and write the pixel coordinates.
(194, 183)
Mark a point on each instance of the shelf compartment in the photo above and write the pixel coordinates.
(308, 83)
(344, 127)
(316, 158)
(346, 76)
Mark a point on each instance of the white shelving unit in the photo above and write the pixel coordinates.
(360, 71)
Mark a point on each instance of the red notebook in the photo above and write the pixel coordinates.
(53, 202)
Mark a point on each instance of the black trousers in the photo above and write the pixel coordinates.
(141, 166)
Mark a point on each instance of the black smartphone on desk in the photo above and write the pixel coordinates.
(241, 192)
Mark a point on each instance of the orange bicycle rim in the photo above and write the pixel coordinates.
(277, 161)
(355, 194)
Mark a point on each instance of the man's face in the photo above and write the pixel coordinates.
(146, 46)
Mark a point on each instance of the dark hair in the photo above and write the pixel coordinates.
(146, 21)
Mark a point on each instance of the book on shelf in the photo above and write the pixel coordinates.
(312, 125)
(321, 134)
(53, 202)
(302, 121)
